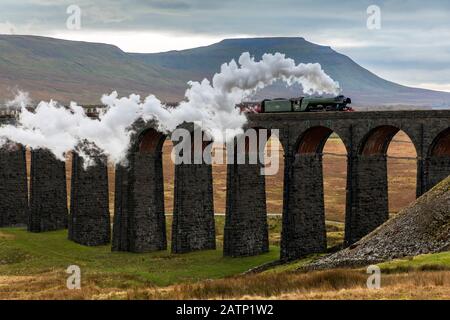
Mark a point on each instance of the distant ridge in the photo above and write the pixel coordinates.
(82, 71)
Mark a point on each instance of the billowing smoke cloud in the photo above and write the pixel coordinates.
(21, 99)
(61, 129)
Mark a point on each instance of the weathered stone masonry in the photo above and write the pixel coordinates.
(48, 193)
(437, 162)
(89, 219)
(120, 240)
(436, 169)
(366, 136)
(14, 209)
(139, 221)
(368, 196)
(304, 229)
(246, 230)
(304, 222)
(193, 226)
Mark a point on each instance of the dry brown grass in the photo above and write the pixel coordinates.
(331, 284)
(50, 286)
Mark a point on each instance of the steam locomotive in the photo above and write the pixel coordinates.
(301, 104)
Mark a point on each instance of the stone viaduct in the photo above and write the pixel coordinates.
(139, 220)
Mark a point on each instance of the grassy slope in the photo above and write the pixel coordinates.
(33, 266)
(79, 71)
(23, 253)
(42, 259)
(422, 277)
(424, 262)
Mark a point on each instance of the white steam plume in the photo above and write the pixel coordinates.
(20, 100)
(212, 103)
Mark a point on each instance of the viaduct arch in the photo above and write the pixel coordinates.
(368, 206)
(304, 230)
(139, 223)
(437, 163)
(139, 220)
(366, 136)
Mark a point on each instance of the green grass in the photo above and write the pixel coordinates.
(23, 253)
(294, 265)
(424, 262)
(49, 254)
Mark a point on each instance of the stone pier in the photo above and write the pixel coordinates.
(48, 193)
(14, 210)
(246, 230)
(89, 219)
(304, 229)
(367, 197)
(139, 221)
(193, 226)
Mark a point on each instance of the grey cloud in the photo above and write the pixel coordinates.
(415, 34)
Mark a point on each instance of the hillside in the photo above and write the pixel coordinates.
(421, 228)
(81, 71)
(362, 85)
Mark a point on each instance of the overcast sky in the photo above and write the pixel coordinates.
(412, 46)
